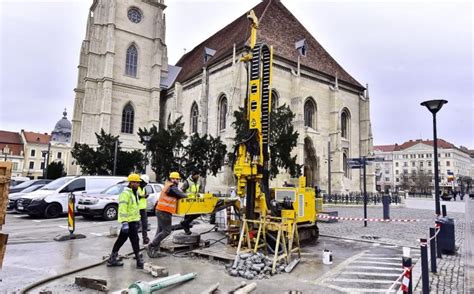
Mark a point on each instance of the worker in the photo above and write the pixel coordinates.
(142, 205)
(192, 188)
(128, 217)
(165, 208)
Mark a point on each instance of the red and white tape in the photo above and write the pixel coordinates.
(368, 219)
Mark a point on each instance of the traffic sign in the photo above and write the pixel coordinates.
(354, 161)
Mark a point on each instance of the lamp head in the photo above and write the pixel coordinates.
(434, 105)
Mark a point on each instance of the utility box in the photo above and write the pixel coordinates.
(446, 235)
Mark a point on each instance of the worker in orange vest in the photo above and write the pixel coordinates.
(165, 208)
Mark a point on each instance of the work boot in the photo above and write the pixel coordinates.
(113, 261)
(154, 251)
(146, 240)
(140, 262)
(141, 256)
(186, 228)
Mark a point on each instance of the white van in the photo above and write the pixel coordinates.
(51, 200)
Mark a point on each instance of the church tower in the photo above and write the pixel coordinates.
(122, 66)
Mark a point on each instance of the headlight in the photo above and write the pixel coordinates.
(38, 199)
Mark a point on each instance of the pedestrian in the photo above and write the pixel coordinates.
(192, 189)
(142, 205)
(454, 195)
(128, 217)
(165, 208)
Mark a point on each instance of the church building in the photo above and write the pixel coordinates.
(125, 83)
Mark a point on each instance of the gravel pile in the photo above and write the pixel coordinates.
(255, 266)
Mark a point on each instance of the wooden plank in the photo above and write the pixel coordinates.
(5, 176)
(3, 247)
(213, 253)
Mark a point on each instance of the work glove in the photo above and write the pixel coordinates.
(125, 227)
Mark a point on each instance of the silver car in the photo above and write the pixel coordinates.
(105, 204)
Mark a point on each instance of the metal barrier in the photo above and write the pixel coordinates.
(358, 198)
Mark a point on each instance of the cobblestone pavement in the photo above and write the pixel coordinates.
(450, 276)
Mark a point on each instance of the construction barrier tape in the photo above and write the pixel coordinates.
(369, 219)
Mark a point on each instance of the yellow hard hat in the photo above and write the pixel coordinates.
(174, 175)
(133, 178)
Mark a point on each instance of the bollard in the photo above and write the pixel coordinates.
(407, 265)
(438, 248)
(433, 249)
(443, 208)
(386, 206)
(71, 220)
(425, 278)
(71, 224)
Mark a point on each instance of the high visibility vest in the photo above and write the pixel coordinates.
(193, 188)
(166, 203)
(128, 210)
(142, 196)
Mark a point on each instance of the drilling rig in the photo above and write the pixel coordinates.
(271, 211)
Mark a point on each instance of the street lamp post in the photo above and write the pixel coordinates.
(44, 152)
(146, 140)
(434, 106)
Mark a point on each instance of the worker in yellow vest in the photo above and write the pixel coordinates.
(142, 205)
(165, 208)
(192, 188)
(128, 217)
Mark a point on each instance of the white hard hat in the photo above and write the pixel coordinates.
(145, 178)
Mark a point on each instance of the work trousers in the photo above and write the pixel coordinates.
(132, 235)
(163, 229)
(144, 222)
(188, 219)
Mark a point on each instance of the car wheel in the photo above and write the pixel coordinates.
(110, 212)
(53, 210)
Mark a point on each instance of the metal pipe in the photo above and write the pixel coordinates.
(172, 281)
(435, 145)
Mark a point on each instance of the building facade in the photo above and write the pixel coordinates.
(120, 90)
(384, 172)
(35, 153)
(122, 64)
(412, 166)
(11, 149)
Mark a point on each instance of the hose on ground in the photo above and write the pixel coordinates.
(49, 279)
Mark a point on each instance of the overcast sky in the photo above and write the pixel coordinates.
(407, 51)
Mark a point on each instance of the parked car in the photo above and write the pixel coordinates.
(14, 181)
(13, 197)
(105, 203)
(27, 184)
(51, 200)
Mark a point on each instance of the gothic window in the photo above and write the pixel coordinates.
(275, 100)
(131, 61)
(194, 118)
(310, 113)
(134, 15)
(345, 123)
(168, 123)
(128, 115)
(222, 112)
(345, 167)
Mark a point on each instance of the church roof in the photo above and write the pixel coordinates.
(63, 125)
(277, 27)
